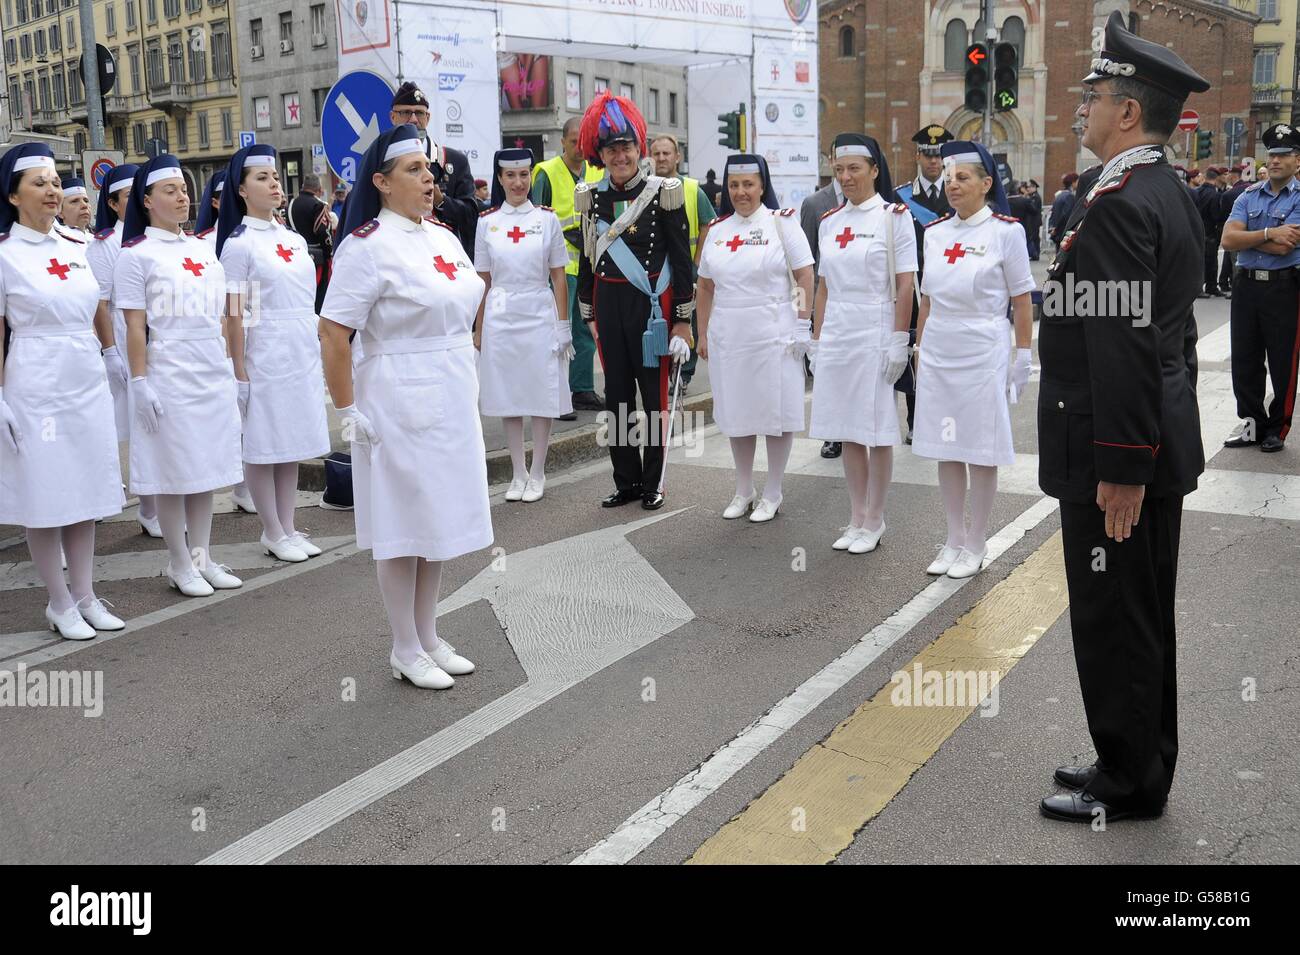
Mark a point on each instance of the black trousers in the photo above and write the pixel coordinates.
(622, 314)
(1225, 271)
(1122, 616)
(1264, 320)
(1211, 263)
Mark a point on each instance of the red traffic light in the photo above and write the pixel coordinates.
(976, 54)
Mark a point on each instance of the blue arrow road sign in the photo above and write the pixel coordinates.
(355, 113)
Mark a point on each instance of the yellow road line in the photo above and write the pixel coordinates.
(811, 813)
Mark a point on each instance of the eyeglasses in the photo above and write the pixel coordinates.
(412, 113)
(1090, 96)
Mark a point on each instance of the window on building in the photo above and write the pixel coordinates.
(56, 41)
(130, 15)
(182, 134)
(672, 108)
(318, 24)
(29, 91)
(954, 46)
(43, 89)
(227, 127)
(286, 30)
(153, 63)
(193, 6)
(133, 60)
(290, 109)
(171, 9)
(36, 9)
(652, 105)
(150, 14)
(261, 112)
(1268, 9)
(137, 138)
(15, 98)
(201, 125)
(110, 20)
(119, 138)
(221, 61)
(39, 37)
(1013, 32)
(79, 142)
(11, 50)
(846, 41)
(601, 84)
(26, 43)
(175, 58)
(158, 130)
(22, 11)
(70, 29)
(1265, 67)
(198, 66)
(9, 13)
(76, 92)
(318, 103)
(255, 36)
(60, 88)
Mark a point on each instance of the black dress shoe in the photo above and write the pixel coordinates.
(619, 498)
(1272, 443)
(832, 449)
(588, 401)
(1076, 777)
(1079, 805)
(571, 416)
(1240, 441)
(652, 500)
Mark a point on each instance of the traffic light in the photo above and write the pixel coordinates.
(732, 127)
(1006, 77)
(1204, 144)
(977, 77)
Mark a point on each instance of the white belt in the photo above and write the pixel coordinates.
(971, 316)
(278, 315)
(52, 332)
(182, 334)
(410, 346)
(856, 298)
(520, 289)
(753, 301)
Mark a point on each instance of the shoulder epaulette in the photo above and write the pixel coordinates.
(366, 228)
(719, 219)
(103, 234)
(488, 212)
(130, 243)
(431, 220)
(547, 208)
(785, 213)
(672, 194)
(583, 200)
(942, 218)
(897, 207)
(205, 232)
(70, 238)
(1099, 191)
(831, 212)
(1257, 185)
(3, 236)
(236, 231)
(1005, 218)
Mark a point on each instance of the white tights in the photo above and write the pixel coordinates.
(868, 473)
(183, 516)
(778, 455)
(983, 488)
(514, 428)
(78, 543)
(275, 492)
(409, 586)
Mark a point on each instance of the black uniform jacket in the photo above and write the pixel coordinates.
(459, 207)
(1117, 400)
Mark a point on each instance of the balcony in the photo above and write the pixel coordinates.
(47, 120)
(170, 97)
(1268, 94)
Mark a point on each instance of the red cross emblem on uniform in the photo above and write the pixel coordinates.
(283, 253)
(516, 234)
(734, 243)
(192, 266)
(446, 268)
(955, 253)
(59, 269)
(845, 237)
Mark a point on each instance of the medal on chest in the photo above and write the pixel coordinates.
(448, 269)
(516, 234)
(754, 236)
(61, 268)
(959, 250)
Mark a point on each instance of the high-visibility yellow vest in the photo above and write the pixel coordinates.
(562, 198)
(693, 209)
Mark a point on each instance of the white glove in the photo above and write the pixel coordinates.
(116, 368)
(1020, 373)
(148, 409)
(10, 434)
(678, 349)
(363, 432)
(802, 339)
(896, 357)
(812, 356)
(563, 345)
(244, 389)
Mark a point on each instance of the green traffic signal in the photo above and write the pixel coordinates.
(729, 127)
(1006, 77)
(1204, 144)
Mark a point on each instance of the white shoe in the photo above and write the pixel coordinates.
(190, 583)
(739, 506)
(284, 549)
(449, 661)
(533, 490)
(764, 511)
(93, 612)
(424, 673)
(304, 544)
(220, 577)
(940, 565)
(849, 535)
(242, 499)
(70, 625)
(515, 492)
(867, 540)
(967, 564)
(150, 525)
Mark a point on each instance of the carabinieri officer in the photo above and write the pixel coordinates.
(1264, 230)
(1119, 430)
(635, 275)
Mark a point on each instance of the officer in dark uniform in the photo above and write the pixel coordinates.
(1264, 230)
(1119, 428)
(927, 200)
(646, 216)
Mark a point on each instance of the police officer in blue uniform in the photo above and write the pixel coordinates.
(1119, 428)
(1264, 230)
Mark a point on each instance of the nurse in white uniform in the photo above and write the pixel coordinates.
(184, 407)
(419, 471)
(976, 263)
(524, 343)
(58, 448)
(76, 211)
(274, 346)
(102, 252)
(753, 301)
(859, 348)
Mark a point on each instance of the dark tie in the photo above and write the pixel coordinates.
(934, 193)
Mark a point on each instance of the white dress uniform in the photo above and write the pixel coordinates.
(66, 469)
(412, 294)
(758, 384)
(520, 372)
(181, 286)
(102, 252)
(852, 401)
(973, 268)
(272, 268)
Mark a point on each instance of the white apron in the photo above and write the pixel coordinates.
(102, 252)
(272, 267)
(66, 469)
(972, 268)
(412, 293)
(758, 385)
(519, 371)
(196, 446)
(852, 401)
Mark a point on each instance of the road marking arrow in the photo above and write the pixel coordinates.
(367, 133)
